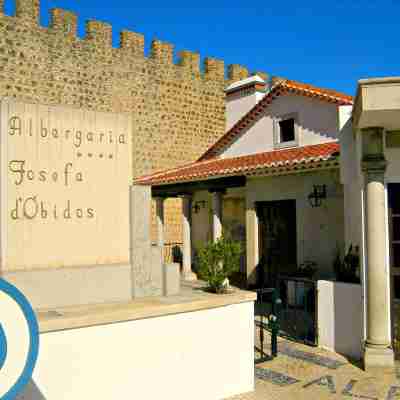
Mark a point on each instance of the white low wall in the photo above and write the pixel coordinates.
(340, 318)
(205, 354)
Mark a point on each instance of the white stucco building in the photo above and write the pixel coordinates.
(258, 181)
(300, 175)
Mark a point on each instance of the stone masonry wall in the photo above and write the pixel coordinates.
(178, 111)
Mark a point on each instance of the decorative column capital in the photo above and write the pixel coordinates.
(373, 158)
(374, 166)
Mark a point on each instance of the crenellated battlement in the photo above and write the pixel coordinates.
(237, 72)
(98, 35)
(177, 104)
(28, 9)
(162, 52)
(132, 42)
(190, 61)
(63, 21)
(214, 69)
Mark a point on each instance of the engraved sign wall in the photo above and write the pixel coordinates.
(65, 177)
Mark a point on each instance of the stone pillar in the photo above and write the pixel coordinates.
(146, 260)
(216, 215)
(187, 273)
(377, 352)
(252, 251)
(160, 221)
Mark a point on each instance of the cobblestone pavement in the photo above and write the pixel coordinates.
(303, 372)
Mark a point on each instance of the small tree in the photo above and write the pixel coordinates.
(217, 261)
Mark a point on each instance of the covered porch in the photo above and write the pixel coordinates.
(278, 204)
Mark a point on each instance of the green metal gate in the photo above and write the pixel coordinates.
(294, 303)
(298, 314)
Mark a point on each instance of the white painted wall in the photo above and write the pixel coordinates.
(238, 104)
(351, 177)
(200, 355)
(340, 318)
(353, 184)
(320, 230)
(317, 124)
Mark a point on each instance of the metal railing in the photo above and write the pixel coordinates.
(267, 313)
(298, 315)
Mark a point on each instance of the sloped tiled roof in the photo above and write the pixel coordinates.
(271, 162)
(279, 88)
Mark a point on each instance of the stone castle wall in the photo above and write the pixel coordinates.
(178, 110)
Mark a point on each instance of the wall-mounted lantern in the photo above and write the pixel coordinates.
(316, 196)
(198, 205)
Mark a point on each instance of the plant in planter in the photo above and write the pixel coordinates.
(346, 269)
(217, 261)
(306, 269)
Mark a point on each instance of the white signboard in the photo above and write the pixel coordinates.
(65, 177)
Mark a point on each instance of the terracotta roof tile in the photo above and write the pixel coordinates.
(280, 87)
(279, 161)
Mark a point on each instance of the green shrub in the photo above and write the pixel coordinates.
(218, 260)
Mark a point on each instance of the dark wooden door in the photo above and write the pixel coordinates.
(394, 240)
(277, 240)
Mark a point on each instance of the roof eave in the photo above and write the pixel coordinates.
(332, 163)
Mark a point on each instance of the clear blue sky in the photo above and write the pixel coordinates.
(329, 43)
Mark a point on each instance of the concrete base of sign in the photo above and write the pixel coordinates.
(147, 272)
(144, 276)
(65, 286)
(171, 279)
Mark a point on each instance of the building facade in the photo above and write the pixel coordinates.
(276, 161)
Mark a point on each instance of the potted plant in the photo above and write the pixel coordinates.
(346, 269)
(306, 269)
(217, 261)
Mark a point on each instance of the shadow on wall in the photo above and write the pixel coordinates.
(340, 322)
(348, 319)
(31, 392)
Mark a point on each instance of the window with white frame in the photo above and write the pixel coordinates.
(286, 131)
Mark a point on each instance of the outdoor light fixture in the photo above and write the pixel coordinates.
(198, 205)
(316, 196)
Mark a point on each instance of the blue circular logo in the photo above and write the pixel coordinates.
(16, 313)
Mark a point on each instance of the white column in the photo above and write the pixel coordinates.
(216, 215)
(252, 251)
(377, 352)
(187, 273)
(160, 221)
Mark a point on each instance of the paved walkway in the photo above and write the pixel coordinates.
(303, 372)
